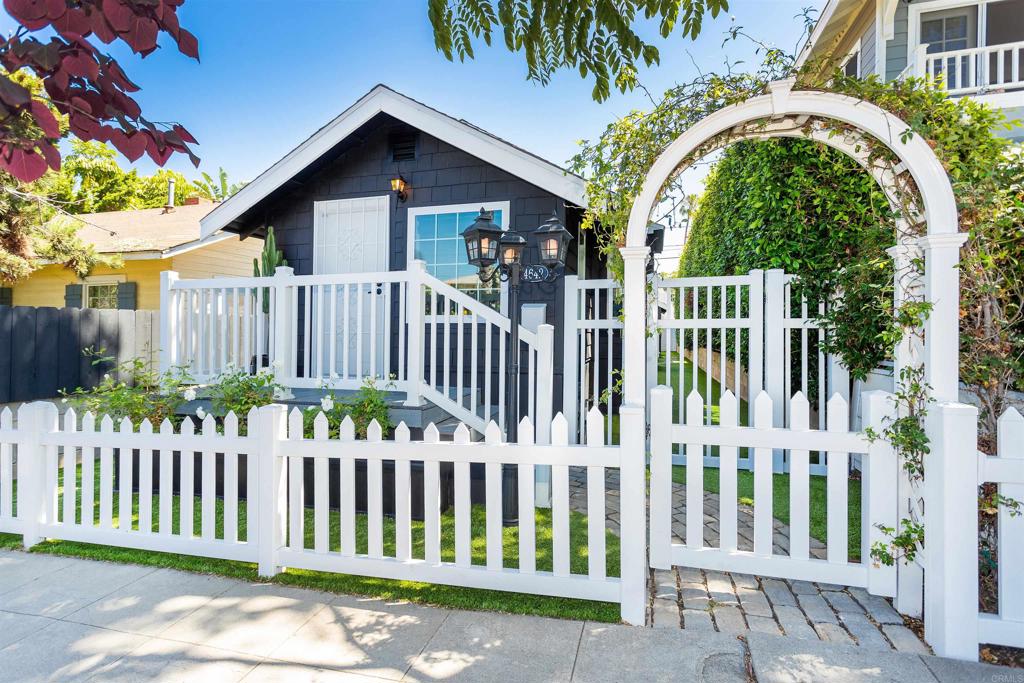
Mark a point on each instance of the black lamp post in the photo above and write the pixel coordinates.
(499, 256)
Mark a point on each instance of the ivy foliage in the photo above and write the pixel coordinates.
(595, 37)
(798, 205)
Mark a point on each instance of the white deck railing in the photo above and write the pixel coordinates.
(413, 332)
(974, 70)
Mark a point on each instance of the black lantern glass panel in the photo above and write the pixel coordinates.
(512, 247)
(482, 240)
(553, 242)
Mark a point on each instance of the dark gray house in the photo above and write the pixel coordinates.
(334, 211)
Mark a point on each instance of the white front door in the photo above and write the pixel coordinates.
(352, 236)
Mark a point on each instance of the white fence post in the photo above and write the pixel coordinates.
(661, 476)
(633, 523)
(34, 419)
(272, 495)
(879, 503)
(755, 349)
(283, 313)
(414, 337)
(570, 352)
(545, 381)
(168, 320)
(545, 397)
(775, 361)
(653, 340)
(951, 519)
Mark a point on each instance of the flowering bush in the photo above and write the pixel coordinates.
(366, 405)
(237, 390)
(137, 392)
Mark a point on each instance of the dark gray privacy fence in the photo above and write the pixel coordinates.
(41, 347)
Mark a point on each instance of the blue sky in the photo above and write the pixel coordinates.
(274, 72)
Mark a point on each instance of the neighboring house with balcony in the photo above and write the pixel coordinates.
(148, 241)
(976, 47)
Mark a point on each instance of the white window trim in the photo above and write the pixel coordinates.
(855, 50)
(915, 10)
(98, 280)
(410, 230)
(317, 227)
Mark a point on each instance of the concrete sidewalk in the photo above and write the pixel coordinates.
(68, 620)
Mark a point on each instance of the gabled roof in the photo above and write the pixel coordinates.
(152, 231)
(381, 99)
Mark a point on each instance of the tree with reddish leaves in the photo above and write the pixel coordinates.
(81, 82)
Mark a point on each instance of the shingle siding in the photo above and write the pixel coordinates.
(867, 51)
(896, 49)
(441, 174)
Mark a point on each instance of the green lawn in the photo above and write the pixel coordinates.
(434, 594)
(780, 501)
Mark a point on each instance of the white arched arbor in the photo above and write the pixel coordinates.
(785, 112)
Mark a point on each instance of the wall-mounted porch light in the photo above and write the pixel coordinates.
(398, 186)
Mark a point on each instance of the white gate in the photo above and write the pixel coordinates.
(749, 541)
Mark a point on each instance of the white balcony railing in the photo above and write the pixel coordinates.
(976, 70)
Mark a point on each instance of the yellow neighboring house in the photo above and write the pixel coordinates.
(149, 241)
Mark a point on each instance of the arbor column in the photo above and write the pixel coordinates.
(634, 332)
(942, 327)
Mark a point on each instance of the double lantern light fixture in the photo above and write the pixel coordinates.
(498, 255)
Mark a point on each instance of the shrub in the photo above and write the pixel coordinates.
(238, 391)
(137, 392)
(365, 406)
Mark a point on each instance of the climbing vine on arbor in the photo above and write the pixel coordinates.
(798, 205)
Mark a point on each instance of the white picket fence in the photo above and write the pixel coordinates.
(49, 463)
(415, 332)
(758, 555)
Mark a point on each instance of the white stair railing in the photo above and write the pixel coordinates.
(465, 349)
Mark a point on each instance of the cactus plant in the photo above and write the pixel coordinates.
(270, 258)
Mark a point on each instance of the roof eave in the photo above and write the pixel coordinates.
(381, 99)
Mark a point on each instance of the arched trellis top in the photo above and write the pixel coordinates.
(766, 116)
(915, 155)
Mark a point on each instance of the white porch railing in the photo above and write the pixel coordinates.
(974, 70)
(412, 331)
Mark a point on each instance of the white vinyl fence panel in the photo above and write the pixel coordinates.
(116, 484)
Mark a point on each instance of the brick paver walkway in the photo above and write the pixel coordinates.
(744, 515)
(710, 601)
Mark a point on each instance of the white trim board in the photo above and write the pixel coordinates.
(382, 99)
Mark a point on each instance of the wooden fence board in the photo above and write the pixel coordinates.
(69, 352)
(47, 331)
(6, 322)
(41, 349)
(23, 352)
